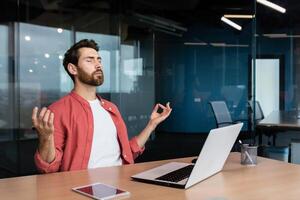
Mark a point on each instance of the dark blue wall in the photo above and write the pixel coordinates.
(191, 76)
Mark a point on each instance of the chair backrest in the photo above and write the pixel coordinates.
(221, 113)
(259, 115)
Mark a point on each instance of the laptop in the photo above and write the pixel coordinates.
(210, 161)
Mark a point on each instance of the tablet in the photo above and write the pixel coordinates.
(101, 191)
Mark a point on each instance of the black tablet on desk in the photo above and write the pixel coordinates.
(101, 191)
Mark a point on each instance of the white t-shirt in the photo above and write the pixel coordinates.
(105, 146)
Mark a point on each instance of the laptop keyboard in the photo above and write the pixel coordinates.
(177, 175)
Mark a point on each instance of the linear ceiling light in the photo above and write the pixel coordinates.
(239, 16)
(195, 43)
(231, 23)
(215, 44)
(272, 5)
(280, 35)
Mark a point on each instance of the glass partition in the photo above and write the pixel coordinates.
(206, 64)
(42, 78)
(277, 65)
(152, 52)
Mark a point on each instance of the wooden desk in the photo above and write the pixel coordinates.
(270, 179)
(279, 121)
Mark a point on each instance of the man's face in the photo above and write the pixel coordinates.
(89, 67)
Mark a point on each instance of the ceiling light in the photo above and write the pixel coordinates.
(275, 35)
(231, 23)
(27, 38)
(30, 70)
(240, 16)
(215, 44)
(60, 57)
(280, 35)
(236, 45)
(272, 5)
(60, 30)
(47, 55)
(195, 43)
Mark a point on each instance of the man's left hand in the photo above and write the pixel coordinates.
(156, 117)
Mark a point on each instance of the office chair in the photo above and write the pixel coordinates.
(223, 117)
(221, 113)
(259, 115)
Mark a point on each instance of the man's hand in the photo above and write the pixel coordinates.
(156, 117)
(43, 122)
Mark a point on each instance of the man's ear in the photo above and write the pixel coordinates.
(72, 69)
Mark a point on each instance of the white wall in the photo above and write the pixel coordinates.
(267, 84)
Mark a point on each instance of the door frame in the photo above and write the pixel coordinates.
(281, 76)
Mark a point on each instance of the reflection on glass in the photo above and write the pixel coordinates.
(42, 77)
(6, 105)
(137, 93)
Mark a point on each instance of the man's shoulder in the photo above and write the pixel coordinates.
(62, 103)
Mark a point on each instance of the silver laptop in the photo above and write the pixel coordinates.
(210, 161)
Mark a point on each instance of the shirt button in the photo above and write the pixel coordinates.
(102, 102)
(109, 108)
(125, 156)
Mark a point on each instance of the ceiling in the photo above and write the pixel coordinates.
(184, 12)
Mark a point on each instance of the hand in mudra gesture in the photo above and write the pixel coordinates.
(156, 117)
(43, 122)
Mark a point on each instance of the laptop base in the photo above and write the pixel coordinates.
(159, 183)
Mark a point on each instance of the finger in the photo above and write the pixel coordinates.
(46, 118)
(34, 115)
(166, 111)
(167, 108)
(155, 108)
(51, 120)
(168, 105)
(162, 106)
(42, 113)
(165, 116)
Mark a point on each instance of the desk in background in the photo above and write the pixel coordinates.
(278, 121)
(270, 179)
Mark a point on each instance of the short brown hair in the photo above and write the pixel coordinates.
(72, 54)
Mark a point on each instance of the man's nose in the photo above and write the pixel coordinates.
(99, 65)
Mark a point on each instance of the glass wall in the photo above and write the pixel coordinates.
(277, 51)
(31, 53)
(210, 64)
(42, 79)
(154, 51)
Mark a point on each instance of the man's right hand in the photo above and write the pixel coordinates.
(44, 124)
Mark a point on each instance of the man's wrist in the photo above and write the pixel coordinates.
(45, 139)
(151, 125)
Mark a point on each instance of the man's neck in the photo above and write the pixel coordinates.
(86, 91)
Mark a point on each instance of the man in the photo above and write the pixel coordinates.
(82, 130)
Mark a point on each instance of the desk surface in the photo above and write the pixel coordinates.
(270, 179)
(281, 119)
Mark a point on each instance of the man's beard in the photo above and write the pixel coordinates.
(95, 79)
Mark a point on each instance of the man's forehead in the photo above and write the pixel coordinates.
(85, 51)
